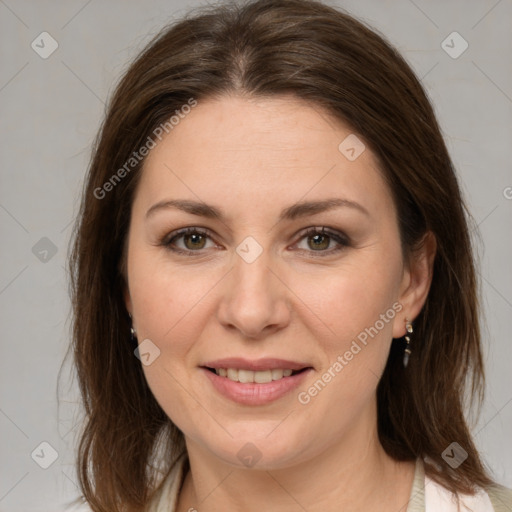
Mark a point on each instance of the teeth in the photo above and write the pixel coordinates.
(245, 376)
(279, 374)
(263, 376)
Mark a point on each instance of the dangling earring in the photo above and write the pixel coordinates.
(133, 334)
(407, 351)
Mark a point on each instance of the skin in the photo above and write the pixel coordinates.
(252, 158)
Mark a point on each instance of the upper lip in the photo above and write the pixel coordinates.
(256, 364)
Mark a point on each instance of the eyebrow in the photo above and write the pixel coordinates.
(302, 209)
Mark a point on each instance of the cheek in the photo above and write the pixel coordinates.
(353, 297)
(169, 310)
(361, 318)
(165, 299)
(360, 307)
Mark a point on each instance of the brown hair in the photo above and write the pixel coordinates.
(326, 57)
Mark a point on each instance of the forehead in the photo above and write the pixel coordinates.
(254, 152)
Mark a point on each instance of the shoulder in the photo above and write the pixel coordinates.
(501, 498)
(429, 496)
(494, 498)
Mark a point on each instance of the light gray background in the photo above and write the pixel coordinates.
(50, 112)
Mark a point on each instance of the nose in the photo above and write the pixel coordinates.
(255, 300)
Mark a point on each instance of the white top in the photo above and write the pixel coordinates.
(426, 494)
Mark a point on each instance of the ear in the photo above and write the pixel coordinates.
(127, 300)
(416, 281)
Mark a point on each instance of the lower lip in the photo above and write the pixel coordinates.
(254, 393)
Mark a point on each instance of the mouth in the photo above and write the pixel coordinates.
(255, 387)
(255, 382)
(252, 376)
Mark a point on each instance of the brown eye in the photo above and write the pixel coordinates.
(193, 239)
(320, 239)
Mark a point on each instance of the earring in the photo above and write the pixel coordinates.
(133, 338)
(133, 334)
(407, 351)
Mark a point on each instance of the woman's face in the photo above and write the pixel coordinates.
(249, 282)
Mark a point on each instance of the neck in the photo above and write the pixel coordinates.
(353, 474)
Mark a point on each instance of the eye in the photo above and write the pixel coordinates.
(319, 239)
(194, 240)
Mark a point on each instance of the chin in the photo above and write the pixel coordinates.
(258, 448)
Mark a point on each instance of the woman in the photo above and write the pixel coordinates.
(272, 218)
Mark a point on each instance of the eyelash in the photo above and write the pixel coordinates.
(341, 239)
